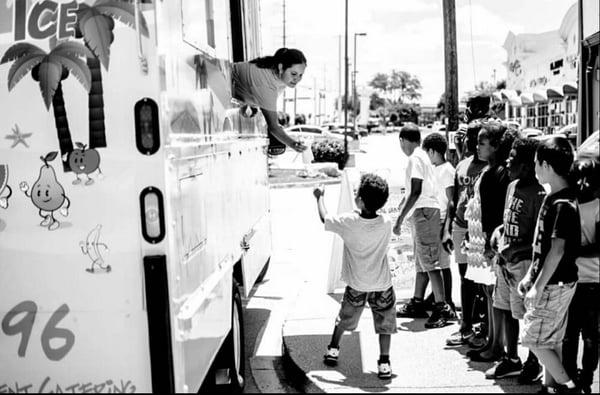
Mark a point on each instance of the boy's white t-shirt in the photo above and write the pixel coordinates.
(419, 166)
(364, 262)
(444, 175)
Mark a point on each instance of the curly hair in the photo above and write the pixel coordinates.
(492, 131)
(525, 150)
(436, 142)
(374, 191)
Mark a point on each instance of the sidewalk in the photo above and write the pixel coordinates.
(420, 360)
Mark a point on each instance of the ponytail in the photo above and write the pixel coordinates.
(287, 57)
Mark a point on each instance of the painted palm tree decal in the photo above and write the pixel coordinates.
(49, 69)
(95, 24)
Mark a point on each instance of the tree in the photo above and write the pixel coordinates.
(49, 69)
(95, 24)
(404, 86)
(381, 82)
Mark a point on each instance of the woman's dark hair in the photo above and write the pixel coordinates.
(436, 142)
(506, 143)
(374, 191)
(558, 153)
(287, 57)
(525, 150)
(585, 177)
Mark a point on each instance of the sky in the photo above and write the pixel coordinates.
(405, 35)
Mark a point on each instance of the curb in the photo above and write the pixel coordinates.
(299, 379)
(305, 183)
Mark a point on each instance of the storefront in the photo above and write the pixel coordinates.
(589, 75)
(542, 76)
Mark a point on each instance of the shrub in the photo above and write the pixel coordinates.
(329, 151)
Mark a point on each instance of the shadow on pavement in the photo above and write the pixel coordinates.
(308, 351)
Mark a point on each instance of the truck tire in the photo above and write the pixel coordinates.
(234, 344)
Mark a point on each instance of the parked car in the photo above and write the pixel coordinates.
(309, 132)
(532, 133)
(591, 145)
(349, 131)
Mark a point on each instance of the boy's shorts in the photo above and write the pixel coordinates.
(506, 295)
(383, 308)
(458, 235)
(545, 323)
(425, 227)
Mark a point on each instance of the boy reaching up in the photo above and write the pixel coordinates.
(365, 268)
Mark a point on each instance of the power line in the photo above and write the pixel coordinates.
(472, 48)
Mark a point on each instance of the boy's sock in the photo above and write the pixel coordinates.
(384, 358)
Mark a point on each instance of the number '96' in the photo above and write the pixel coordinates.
(20, 320)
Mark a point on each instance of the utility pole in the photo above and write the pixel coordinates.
(346, 81)
(450, 61)
(354, 80)
(338, 106)
(284, 47)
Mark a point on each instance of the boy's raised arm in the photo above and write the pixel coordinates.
(319, 192)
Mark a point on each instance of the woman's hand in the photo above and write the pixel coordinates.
(298, 146)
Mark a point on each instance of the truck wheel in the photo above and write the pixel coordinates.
(263, 272)
(234, 344)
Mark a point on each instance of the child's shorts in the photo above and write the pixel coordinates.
(458, 235)
(545, 323)
(506, 295)
(382, 304)
(425, 225)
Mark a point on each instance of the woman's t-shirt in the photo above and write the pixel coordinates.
(256, 86)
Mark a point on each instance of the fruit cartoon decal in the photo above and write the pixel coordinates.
(5, 191)
(47, 194)
(91, 248)
(84, 161)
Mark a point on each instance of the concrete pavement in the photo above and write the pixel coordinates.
(420, 360)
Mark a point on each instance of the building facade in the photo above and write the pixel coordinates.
(542, 74)
(589, 73)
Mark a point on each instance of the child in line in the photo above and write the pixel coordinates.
(365, 268)
(549, 285)
(484, 214)
(422, 209)
(584, 312)
(467, 173)
(523, 201)
(435, 146)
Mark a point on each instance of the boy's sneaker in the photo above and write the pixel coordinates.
(563, 389)
(331, 358)
(504, 368)
(384, 370)
(460, 338)
(532, 371)
(477, 341)
(412, 309)
(438, 316)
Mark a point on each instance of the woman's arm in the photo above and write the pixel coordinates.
(277, 131)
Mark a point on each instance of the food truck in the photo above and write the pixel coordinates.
(134, 206)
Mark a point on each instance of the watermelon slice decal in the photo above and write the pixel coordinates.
(5, 191)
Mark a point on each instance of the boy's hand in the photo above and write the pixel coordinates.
(319, 191)
(531, 297)
(524, 286)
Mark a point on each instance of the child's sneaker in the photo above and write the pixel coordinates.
(532, 371)
(331, 358)
(412, 309)
(384, 370)
(460, 338)
(438, 316)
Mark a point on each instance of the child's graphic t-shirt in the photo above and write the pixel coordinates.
(364, 262)
(558, 218)
(523, 202)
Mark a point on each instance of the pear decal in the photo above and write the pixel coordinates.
(47, 194)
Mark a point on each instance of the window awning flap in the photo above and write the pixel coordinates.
(540, 96)
(570, 88)
(554, 92)
(527, 98)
